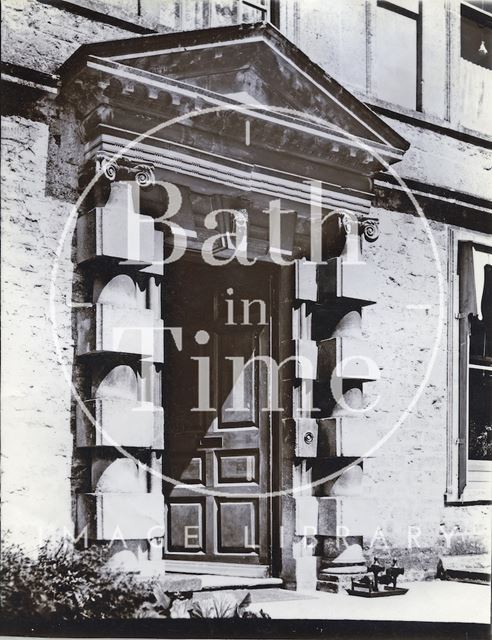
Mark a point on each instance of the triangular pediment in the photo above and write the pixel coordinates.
(255, 65)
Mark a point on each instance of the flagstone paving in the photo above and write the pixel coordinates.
(436, 601)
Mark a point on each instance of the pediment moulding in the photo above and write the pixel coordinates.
(135, 106)
(257, 60)
(243, 79)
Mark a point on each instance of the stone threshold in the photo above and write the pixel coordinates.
(174, 581)
(214, 583)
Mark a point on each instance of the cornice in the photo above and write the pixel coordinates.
(236, 36)
(442, 205)
(362, 150)
(186, 163)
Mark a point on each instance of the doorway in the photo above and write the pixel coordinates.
(218, 435)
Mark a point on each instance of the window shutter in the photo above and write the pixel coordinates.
(468, 296)
(464, 332)
(467, 307)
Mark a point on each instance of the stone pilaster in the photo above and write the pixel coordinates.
(334, 361)
(119, 416)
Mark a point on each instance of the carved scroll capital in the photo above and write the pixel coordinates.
(144, 174)
(106, 166)
(369, 229)
(349, 223)
(122, 169)
(106, 169)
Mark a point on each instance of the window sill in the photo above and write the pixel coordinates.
(468, 499)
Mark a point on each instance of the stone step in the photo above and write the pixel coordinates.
(337, 582)
(185, 582)
(258, 595)
(212, 582)
(473, 568)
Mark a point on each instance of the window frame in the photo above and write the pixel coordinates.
(393, 6)
(481, 17)
(458, 488)
(263, 6)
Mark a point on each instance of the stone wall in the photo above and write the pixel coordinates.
(406, 477)
(42, 37)
(440, 160)
(36, 395)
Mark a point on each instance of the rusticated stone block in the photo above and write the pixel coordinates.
(346, 516)
(306, 359)
(348, 483)
(119, 421)
(110, 474)
(108, 328)
(348, 436)
(346, 358)
(116, 516)
(306, 515)
(335, 279)
(118, 231)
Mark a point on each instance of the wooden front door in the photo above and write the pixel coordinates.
(217, 433)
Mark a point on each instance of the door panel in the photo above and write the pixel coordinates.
(237, 397)
(190, 469)
(237, 526)
(225, 449)
(186, 525)
(237, 467)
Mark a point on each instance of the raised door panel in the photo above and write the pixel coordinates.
(186, 526)
(237, 467)
(237, 376)
(237, 526)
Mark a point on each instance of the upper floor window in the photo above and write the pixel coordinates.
(476, 33)
(253, 10)
(397, 71)
(186, 15)
(475, 370)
